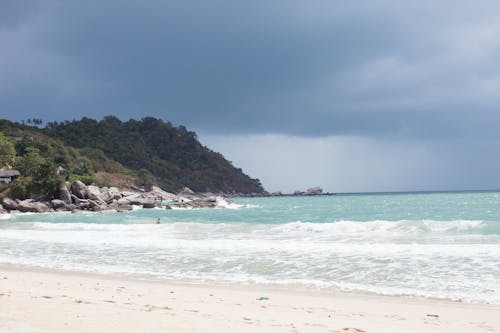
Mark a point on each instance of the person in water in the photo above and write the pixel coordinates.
(158, 221)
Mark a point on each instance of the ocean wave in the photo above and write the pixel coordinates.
(402, 227)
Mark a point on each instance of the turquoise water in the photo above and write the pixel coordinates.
(444, 245)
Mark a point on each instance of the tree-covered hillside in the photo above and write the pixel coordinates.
(171, 156)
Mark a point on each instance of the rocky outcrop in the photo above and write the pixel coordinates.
(114, 193)
(314, 191)
(80, 203)
(124, 208)
(9, 204)
(93, 192)
(93, 198)
(210, 202)
(162, 195)
(58, 204)
(79, 189)
(148, 204)
(186, 192)
(64, 195)
(32, 206)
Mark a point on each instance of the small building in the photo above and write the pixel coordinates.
(7, 176)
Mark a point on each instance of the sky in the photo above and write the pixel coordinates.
(352, 96)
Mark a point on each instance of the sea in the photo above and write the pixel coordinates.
(432, 245)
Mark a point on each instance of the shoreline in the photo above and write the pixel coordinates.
(231, 285)
(50, 300)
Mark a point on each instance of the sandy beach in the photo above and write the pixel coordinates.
(36, 300)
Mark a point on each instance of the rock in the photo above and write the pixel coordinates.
(79, 189)
(106, 196)
(80, 203)
(186, 192)
(113, 205)
(298, 193)
(158, 192)
(31, 206)
(124, 207)
(148, 204)
(314, 191)
(71, 207)
(123, 201)
(138, 201)
(64, 195)
(114, 193)
(97, 205)
(93, 192)
(9, 204)
(1, 209)
(198, 203)
(133, 199)
(58, 204)
(26, 206)
(41, 207)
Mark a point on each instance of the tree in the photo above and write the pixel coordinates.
(7, 151)
(39, 174)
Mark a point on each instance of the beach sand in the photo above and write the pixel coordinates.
(36, 300)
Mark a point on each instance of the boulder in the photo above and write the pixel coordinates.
(124, 208)
(198, 203)
(137, 199)
(115, 193)
(133, 199)
(71, 207)
(186, 192)
(93, 192)
(123, 201)
(1, 209)
(97, 206)
(314, 191)
(41, 207)
(32, 206)
(148, 204)
(80, 203)
(9, 204)
(64, 195)
(58, 204)
(163, 195)
(79, 189)
(106, 195)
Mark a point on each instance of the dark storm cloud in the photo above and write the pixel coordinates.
(373, 68)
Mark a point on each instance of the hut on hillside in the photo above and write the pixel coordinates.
(7, 176)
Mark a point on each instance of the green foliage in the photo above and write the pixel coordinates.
(172, 155)
(151, 150)
(7, 150)
(39, 175)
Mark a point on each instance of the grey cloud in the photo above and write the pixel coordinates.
(359, 164)
(374, 68)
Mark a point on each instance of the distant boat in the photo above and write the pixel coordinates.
(5, 217)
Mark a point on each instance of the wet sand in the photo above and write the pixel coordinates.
(36, 300)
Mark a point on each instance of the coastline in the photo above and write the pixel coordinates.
(47, 300)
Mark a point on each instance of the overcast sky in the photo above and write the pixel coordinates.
(348, 95)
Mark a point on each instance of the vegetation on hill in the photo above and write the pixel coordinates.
(112, 152)
(168, 155)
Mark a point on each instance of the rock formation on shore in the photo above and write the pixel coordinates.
(81, 197)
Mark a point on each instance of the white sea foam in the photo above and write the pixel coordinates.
(456, 259)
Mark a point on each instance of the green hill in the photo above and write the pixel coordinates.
(168, 155)
(148, 151)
